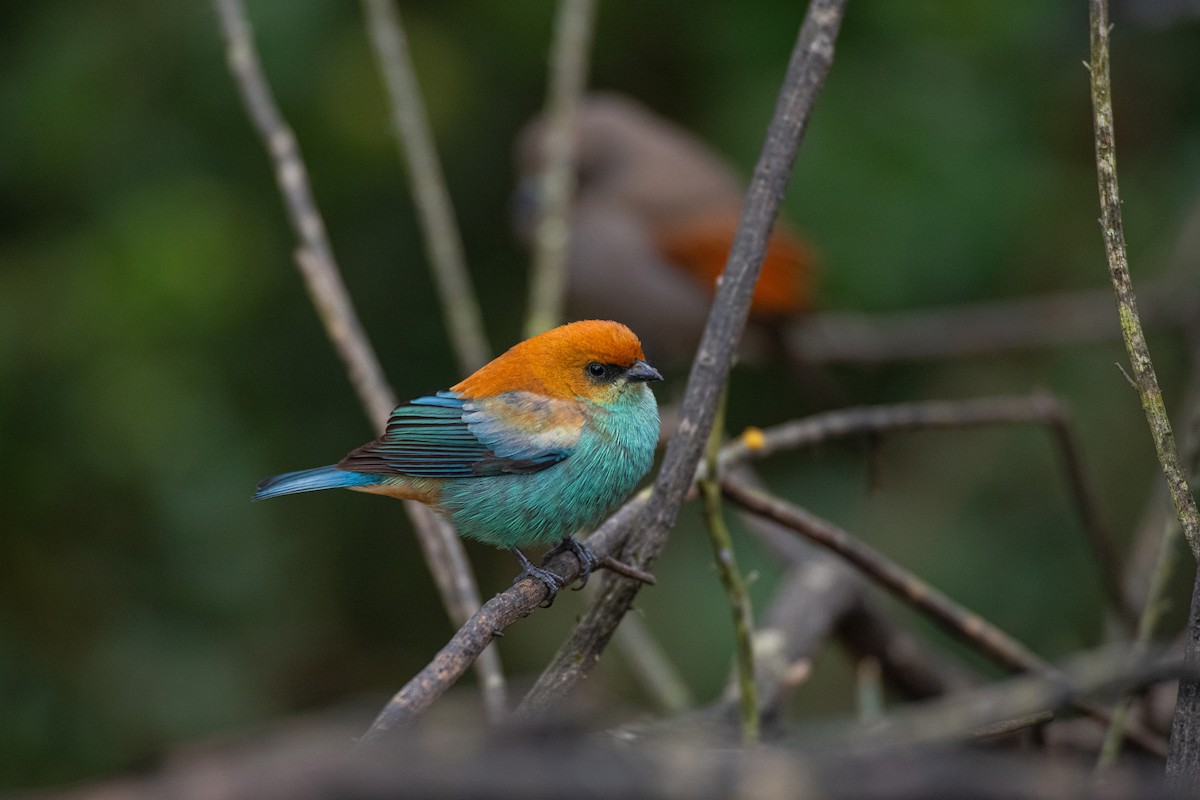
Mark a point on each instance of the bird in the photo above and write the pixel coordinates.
(652, 219)
(539, 444)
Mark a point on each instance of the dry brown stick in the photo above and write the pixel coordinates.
(961, 623)
(980, 329)
(1038, 408)
(568, 76)
(809, 64)
(956, 620)
(443, 244)
(517, 601)
(441, 547)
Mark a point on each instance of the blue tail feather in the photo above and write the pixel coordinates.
(311, 480)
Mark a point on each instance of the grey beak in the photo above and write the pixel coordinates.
(641, 371)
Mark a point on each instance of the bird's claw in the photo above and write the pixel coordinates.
(552, 581)
(587, 559)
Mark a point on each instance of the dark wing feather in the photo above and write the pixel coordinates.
(430, 438)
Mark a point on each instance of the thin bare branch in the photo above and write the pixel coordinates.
(331, 299)
(441, 547)
(809, 64)
(1038, 408)
(443, 244)
(956, 620)
(551, 236)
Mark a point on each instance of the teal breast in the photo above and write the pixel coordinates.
(614, 452)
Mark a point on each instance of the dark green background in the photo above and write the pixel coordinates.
(158, 354)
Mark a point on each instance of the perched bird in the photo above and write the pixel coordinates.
(539, 444)
(652, 219)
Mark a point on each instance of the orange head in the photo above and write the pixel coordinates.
(595, 360)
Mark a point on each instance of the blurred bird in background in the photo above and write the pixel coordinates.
(654, 214)
(541, 443)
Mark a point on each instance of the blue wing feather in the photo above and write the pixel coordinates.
(446, 436)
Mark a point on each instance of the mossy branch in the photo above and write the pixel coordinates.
(1183, 760)
(731, 579)
(1144, 376)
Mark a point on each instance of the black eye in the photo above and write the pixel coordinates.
(603, 373)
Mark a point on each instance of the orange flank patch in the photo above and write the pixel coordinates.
(423, 490)
(553, 363)
(701, 247)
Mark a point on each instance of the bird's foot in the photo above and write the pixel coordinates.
(550, 580)
(587, 559)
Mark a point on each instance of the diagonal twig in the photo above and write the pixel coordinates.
(441, 547)
(956, 620)
(961, 623)
(443, 244)
(807, 68)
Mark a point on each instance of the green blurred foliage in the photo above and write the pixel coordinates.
(158, 354)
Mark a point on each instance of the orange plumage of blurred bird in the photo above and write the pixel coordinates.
(541, 443)
(652, 220)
